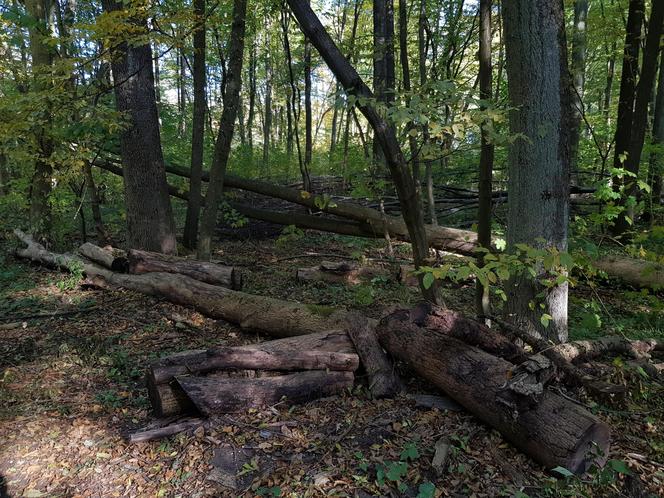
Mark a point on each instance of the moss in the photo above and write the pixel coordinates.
(321, 309)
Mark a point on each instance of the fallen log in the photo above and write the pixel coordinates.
(636, 272)
(344, 272)
(555, 432)
(167, 398)
(592, 349)
(210, 273)
(272, 316)
(383, 379)
(213, 396)
(104, 256)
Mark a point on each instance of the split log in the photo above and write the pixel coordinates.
(167, 399)
(272, 316)
(556, 432)
(104, 256)
(384, 381)
(636, 272)
(210, 273)
(213, 396)
(344, 272)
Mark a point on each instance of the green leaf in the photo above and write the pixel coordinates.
(427, 280)
(410, 452)
(396, 471)
(426, 490)
(562, 471)
(620, 466)
(545, 319)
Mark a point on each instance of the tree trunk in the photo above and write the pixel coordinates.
(485, 186)
(629, 75)
(267, 121)
(93, 195)
(640, 116)
(190, 234)
(39, 216)
(100, 255)
(308, 117)
(403, 180)
(252, 97)
(657, 155)
(578, 70)
(636, 272)
(554, 432)
(211, 273)
(222, 147)
(345, 272)
(150, 223)
(539, 163)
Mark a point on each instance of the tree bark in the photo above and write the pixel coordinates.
(212, 396)
(636, 272)
(539, 162)
(190, 234)
(403, 180)
(485, 185)
(308, 117)
(39, 215)
(222, 147)
(344, 272)
(555, 432)
(150, 223)
(383, 379)
(99, 255)
(657, 155)
(93, 195)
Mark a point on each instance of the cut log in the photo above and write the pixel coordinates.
(104, 256)
(344, 272)
(274, 317)
(556, 432)
(383, 379)
(225, 358)
(213, 396)
(167, 398)
(636, 272)
(210, 273)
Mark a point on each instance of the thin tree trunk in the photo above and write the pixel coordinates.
(578, 81)
(267, 111)
(42, 60)
(222, 147)
(657, 155)
(190, 235)
(485, 188)
(150, 223)
(91, 189)
(640, 115)
(538, 204)
(308, 141)
(252, 97)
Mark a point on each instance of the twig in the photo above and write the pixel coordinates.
(50, 315)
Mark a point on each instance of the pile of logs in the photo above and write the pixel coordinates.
(481, 369)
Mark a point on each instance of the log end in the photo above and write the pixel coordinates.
(120, 264)
(592, 448)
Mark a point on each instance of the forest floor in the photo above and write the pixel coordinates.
(71, 389)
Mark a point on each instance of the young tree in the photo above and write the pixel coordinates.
(150, 223)
(222, 146)
(538, 205)
(198, 129)
(486, 154)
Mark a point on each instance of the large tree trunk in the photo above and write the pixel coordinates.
(657, 155)
(554, 432)
(539, 162)
(190, 234)
(485, 185)
(150, 223)
(222, 147)
(640, 116)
